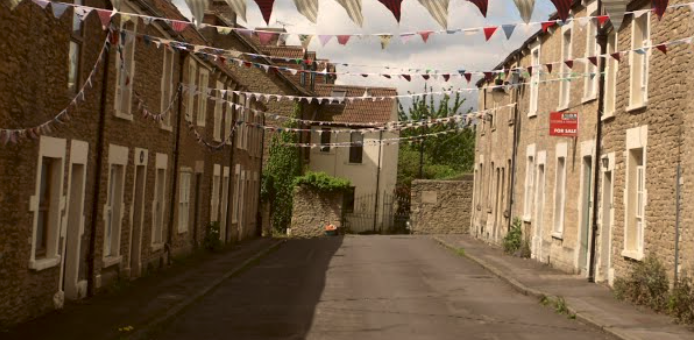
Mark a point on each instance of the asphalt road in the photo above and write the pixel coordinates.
(370, 287)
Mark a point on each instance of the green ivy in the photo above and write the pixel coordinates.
(283, 165)
(323, 182)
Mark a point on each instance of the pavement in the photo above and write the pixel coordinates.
(145, 303)
(593, 304)
(369, 287)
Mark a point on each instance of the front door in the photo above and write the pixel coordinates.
(605, 228)
(138, 205)
(71, 260)
(586, 214)
(539, 210)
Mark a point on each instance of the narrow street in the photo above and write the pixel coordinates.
(369, 287)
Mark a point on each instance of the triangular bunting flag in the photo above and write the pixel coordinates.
(530, 70)
(593, 60)
(425, 35)
(353, 8)
(385, 40)
(406, 77)
(406, 37)
(197, 10)
(14, 4)
(59, 9)
(394, 6)
(446, 76)
(602, 20)
(265, 37)
(266, 9)
(386, 75)
(425, 76)
(324, 39)
(617, 56)
(489, 32)
(179, 26)
(343, 39)
(305, 40)
(508, 30)
(546, 25)
(525, 7)
(482, 5)
(41, 3)
(563, 8)
(489, 76)
(468, 76)
(104, 16)
(549, 67)
(239, 7)
(569, 63)
(662, 48)
(660, 6)
(308, 8)
(438, 10)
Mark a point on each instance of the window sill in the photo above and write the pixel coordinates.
(607, 117)
(557, 236)
(527, 218)
(353, 164)
(168, 128)
(586, 100)
(563, 108)
(125, 116)
(532, 114)
(634, 255)
(636, 107)
(183, 231)
(200, 124)
(44, 263)
(156, 246)
(111, 261)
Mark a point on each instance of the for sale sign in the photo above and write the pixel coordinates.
(563, 124)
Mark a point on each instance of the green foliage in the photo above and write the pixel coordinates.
(681, 302)
(446, 155)
(647, 284)
(322, 181)
(284, 164)
(211, 242)
(513, 241)
(559, 305)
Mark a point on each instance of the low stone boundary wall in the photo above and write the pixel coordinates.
(441, 206)
(313, 209)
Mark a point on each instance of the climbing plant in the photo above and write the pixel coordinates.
(283, 165)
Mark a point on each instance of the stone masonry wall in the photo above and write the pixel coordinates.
(313, 209)
(441, 207)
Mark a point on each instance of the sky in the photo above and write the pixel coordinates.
(450, 52)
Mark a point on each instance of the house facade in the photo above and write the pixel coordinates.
(599, 201)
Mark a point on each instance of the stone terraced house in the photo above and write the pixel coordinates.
(633, 136)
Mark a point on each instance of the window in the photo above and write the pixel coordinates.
(167, 86)
(214, 202)
(529, 182)
(159, 200)
(228, 115)
(490, 187)
(356, 148)
(218, 110)
(250, 102)
(224, 203)
(611, 76)
(325, 136)
(590, 87)
(114, 208)
(242, 202)
(339, 95)
(203, 83)
(76, 40)
(237, 186)
(565, 85)
(240, 129)
(639, 59)
(635, 194)
(184, 201)
(559, 191)
(192, 90)
(125, 68)
(535, 80)
(349, 200)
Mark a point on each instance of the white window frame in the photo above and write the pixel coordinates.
(236, 193)
(566, 54)
(241, 128)
(228, 115)
(590, 88)
(117, 156)
(184, 199)
(224, 205)
(218, 111)
(559, 208)
(242, 206)
(192, 89)
(203, 84)
(55, 148)
(611, 68)
(246, 129)
(121, 77)
(637, 140)
(167, 88)
(529, 182)
(639, 64)
(214, 200)
(535, 79)
(161, 163)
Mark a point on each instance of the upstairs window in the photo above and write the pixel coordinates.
(192, 90)
(591, 79)
(356, 148)
(203, 84)
(76, 41)
(125, 70)
(325, 136)
(534, 80)
(167, 87)
(565, 84)
(218, 111)
(611, 76)
(639, 57)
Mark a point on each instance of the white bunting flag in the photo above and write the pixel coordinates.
(525, 7)
(239, 7)
(58, 9)
(438, 10)
(197, 9)
(308, 8)
(385, 40)
(616, 9)
(353, 8)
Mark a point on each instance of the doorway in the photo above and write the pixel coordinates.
(539, 212)
(586, 213)
(74, 231)
(605, 228)
(138, 216)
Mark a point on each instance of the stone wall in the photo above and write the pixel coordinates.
(313, 209)
(441, 207)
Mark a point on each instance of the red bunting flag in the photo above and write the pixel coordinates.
(425, 76)
(425, 35)
(662, 48)
(265, 37)
(343, 39)
(569, 63)
(179, 26)
(482, 5)
(386, 75)
(530, 70)
(406, 77)
(660, 6)
(265, 8)
(489, 32)
(468, 76)
(547, 24)
(549, 67)
(617, 56)
(593, 60)
(364, 75)
(563, 8)
(104, 16)
(489, 76)
(602, 19)
(392, 5)
(446, 76)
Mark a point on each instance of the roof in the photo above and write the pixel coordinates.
(358, 111)
(166, 9)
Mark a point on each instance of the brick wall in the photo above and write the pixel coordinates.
(441, 207)
(313, 209)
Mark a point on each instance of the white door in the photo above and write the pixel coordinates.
(71, 260)
(540, 212)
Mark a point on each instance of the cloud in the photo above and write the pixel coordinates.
(450, 52)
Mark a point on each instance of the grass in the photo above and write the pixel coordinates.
(460, 251)
(558, 304)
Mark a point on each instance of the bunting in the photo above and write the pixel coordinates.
(308, 8)
(525, 7)
(305, 40)
(425, 35)
(393, 6)
(489, 32)
(438, 10)
(660, 6)
(343, 39)
(353, 9)
(385, 40)
(563, 8)
(508, 30)
(197, 9)
(265, 9)
(482, 5)
(239, 7)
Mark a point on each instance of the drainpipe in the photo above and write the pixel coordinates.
(514, 155)
(232, 167)
(677, 223)
(91, 257)
(602, 40)
(176, 154)
(378, 177)
(259, 215)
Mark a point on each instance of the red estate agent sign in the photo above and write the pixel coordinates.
(563, 124)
